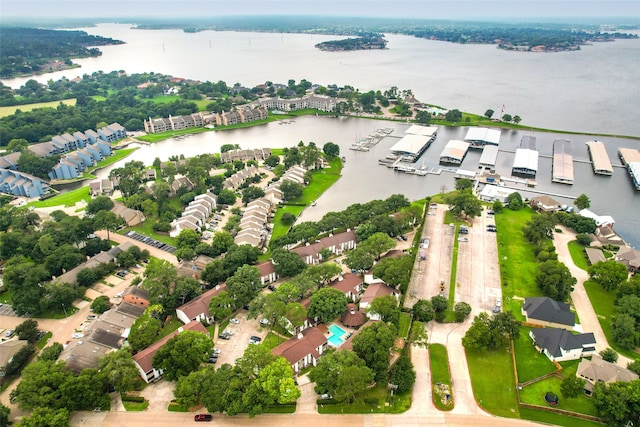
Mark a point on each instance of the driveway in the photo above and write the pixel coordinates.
(232, 349)
(581, 302)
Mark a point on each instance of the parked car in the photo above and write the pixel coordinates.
(77, 335)
(498, 302)
(264, 321)
(255, 338)
(234, 321)
(92, 317)
(9, 333)
(462, 239)
(224, 336)
(271, 288)
(203, 417)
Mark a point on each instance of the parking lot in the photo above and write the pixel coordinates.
(151, 242)
(232, 349)
(6, 310)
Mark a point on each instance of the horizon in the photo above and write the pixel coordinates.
(456, 10)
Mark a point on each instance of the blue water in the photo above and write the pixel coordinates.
(335, 339)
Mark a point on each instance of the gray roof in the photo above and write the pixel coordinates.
(554, 340)
(548, 310)
(599, 370)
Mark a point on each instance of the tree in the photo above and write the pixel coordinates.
(190, 389)
(506, 117)
(287, 263)
(334, 372)
(101, 304)
(539, 228)
(609, 274)
(440, 303)
(221, 306)
(624, 331)
(287, 218)
(28, 330)
(331, 149)
(145, 331)
(4, 415)
(41, 385)
(571, 386)
(275, 383)
(489, 113)
(497, 206)
(106, 220)
(251, 193)
(462, 310)
(46, 417)
(463, 184)
(51, 352)
(377, 244)
(183, 354)
(464, 201)
(17, 144)
(554, 280)
(419, 334)
(488, 333)
(615, 401)
(582, 202)
(514, 201)
(291, 190)
(583, 239)
(326, 304)
(403, 375)
(99, 203)
(272, 161)
(453, 115)
(395, 272)
(372, 344)
(359, 259)
(517, 119)
(609, 355)
(119, 370)
(187, 239)
(386, 307)
(423, 311)
(295, 313)
(226, 197)
(423, 117)
(244, 285)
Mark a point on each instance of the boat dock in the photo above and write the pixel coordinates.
(600, 158)
(562, 169)
(631, 159)
(364, 144)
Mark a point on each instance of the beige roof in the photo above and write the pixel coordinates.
(599, 156)
(599, 370)
(595, 255)
(200, 305)
(455, 149)
(8, 349)
(629, 155)
(562, 160)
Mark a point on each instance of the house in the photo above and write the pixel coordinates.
(598, 370)
(545, 203)
(22, 184)
(8, 349)
(561, 345)
(601, 220)
(375, 290)
(137, 296)
(491, 193)
(101, 258)
(594, 255)
(350, 284)
(267, 273)
(130, 216)
(352, 317)
(178, 183)
(150, 174)
(629, 257)
(544, 311)
(198, 308)
(144, 359)
(304, 349)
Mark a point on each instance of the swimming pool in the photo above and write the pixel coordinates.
(337, 333)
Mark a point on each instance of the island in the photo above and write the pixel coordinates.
(373, 41)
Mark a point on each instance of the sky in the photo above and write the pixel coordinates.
(438, 9)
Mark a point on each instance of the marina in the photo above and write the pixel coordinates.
(364, 144)
(415, 142)
(630, 157)
(525, 162)
(480, 137)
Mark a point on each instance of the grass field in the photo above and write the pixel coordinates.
(534, 394)
(65, 199)
(518, 265)
(439, 362)
(166, 99)
(578, 255)
(405, 323)
(493, 384)
(9, 110)
(371, 401)
(272, 340)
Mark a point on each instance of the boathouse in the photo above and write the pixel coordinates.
(454, 152)
(600, 158)
(479, 137)
(562, 161)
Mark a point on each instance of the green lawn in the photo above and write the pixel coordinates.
(454, 268)
(552, 418)
(603, 304)
(9, 110)
(272, 340)
(530, 363)
(405, 323)
(372, 401)
(117, 156)
(492, 379)
(135, 406)
(166, 99)
(518, 265)
(439, 362)
(174, 407)
(155, 137)
(65, 199)
(146, 228)
(171, 326)
(578, 255)
(280, 409)
(534, 394)
(279, 229)
(321, 181)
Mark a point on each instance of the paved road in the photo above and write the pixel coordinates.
(581, 302)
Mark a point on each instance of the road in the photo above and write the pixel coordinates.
(586, 313)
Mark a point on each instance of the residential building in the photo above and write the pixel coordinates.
(22, 184)
(198, 308)
(135, 295)
(303, 350)
(597, 370)
(545, 203)
(8, 349)
(561, 345)
(267, 273)
(630, 257)
(144, 359)
(350, 284)
(544, 311)
(130, 216)
(373, 291)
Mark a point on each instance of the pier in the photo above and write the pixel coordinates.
(370, 140)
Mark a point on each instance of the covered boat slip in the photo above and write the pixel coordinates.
(454, 152)
(480, 137)
(600, 158)
(412, 145)
(630, 157)
(562, 162)
(525, 162)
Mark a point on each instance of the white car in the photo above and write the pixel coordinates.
(498, 302)
(264, 321)
(77, 335)
(234, 321)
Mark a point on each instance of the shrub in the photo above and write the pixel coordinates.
(583, 239)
